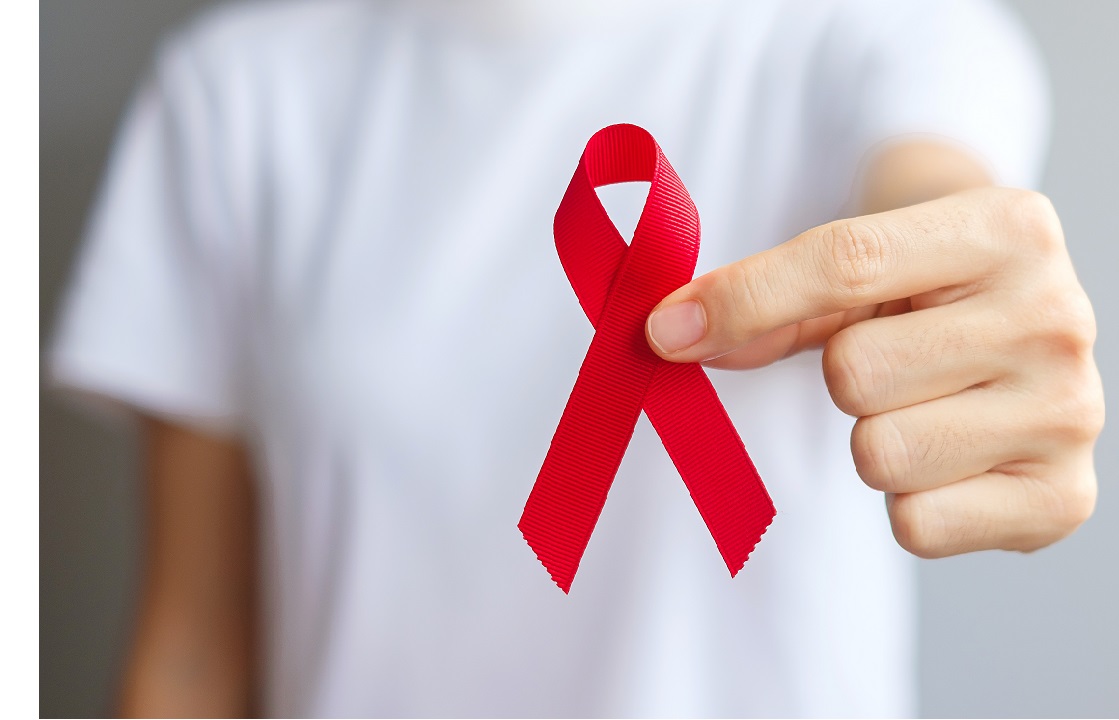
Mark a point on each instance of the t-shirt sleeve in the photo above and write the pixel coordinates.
(150, 319)
(962, 71)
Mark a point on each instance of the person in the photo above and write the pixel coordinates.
(321, 270)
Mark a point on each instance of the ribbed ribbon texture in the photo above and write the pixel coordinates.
(618, 285)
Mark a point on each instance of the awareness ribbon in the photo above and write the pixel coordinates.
(618, 285)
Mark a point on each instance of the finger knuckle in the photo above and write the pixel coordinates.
(879, 453)
(916, 525)
(1078, 502)
(747, 291)
(1059, 315)
(1080, 411)
(1095, 415)
(853, 375)
(1074, 324)
(859, 256)
(1057, 509)
(1034, 213)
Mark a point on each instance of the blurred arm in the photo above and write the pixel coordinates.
(917, 171)
(193, 652)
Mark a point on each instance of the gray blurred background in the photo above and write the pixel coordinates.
(1002, 634)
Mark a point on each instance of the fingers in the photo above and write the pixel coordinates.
(792, 339)
(887, 363)
(832, 268)
(938, 442)
(994, 510)
(957, 333)
(784, 341)
(1002, 466)
(1043, 414)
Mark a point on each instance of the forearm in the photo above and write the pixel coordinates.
(175, 671)
(912, 172)
(194, 649)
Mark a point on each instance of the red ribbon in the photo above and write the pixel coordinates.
(618, 286)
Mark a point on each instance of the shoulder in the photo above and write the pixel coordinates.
(258, 28)
(272, 43)
(854, 23)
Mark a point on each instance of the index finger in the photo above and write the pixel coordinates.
(831, 268)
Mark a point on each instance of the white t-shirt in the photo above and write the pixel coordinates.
(327, 227)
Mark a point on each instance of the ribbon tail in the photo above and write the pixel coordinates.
(701, 440)
(590, 440)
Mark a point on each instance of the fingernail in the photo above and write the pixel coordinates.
(678, 326)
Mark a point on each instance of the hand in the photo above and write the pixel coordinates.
(958, 335)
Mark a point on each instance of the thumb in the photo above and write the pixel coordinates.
(792, 339)
(779, 344)
(789, 340)
(798, 294)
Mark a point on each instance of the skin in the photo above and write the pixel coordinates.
(193, 653)
(955, 330)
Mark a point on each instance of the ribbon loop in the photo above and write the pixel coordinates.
(618, 285)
